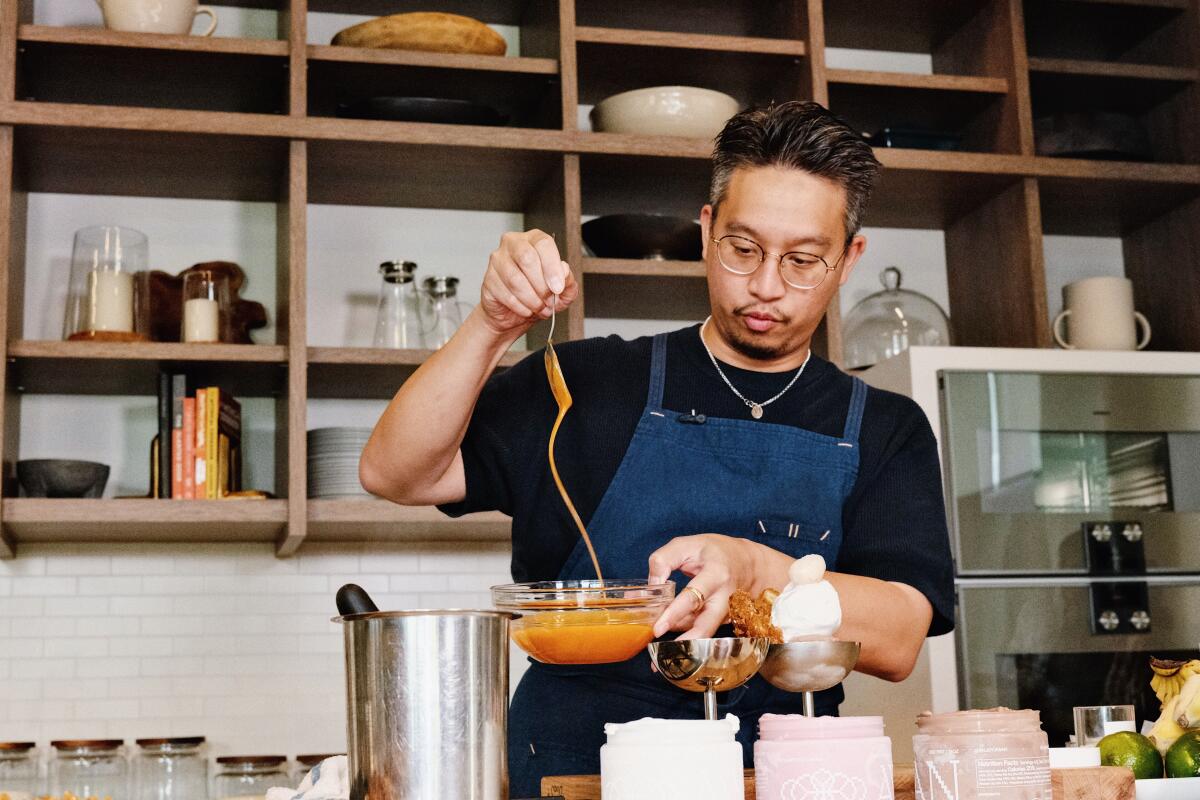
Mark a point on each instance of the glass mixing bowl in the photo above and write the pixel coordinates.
(585, 621)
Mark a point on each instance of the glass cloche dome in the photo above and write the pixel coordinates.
(888, 322)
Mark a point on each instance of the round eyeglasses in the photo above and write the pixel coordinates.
(743, 256)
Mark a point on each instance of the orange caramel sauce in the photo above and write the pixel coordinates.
(584, 636)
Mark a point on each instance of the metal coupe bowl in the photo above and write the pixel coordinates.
(653, 236)
(665, 111)
(809, 666)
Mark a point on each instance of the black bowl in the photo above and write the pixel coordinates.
(422, 109)
(643, 236)
(60, 477)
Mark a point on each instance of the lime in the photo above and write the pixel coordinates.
(1129, 749)
(1183, 757)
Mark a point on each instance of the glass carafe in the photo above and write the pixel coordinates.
(398, 324)
(441, 310)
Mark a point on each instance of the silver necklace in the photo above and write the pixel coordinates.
(756, 409)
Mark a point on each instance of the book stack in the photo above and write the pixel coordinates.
(199, 441)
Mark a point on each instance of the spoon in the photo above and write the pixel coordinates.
(562, 396)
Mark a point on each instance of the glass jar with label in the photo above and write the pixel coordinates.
(170, 769)
(248, 777)
(998, 754)
(19, 779)
(89, 768)
(798, 756)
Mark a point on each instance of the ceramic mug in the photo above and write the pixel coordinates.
(154, 16)
(1099, 315)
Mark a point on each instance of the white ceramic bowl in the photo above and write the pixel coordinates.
(665, 111)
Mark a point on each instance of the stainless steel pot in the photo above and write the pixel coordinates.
(427, 696)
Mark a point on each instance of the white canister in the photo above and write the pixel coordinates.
(672, 758)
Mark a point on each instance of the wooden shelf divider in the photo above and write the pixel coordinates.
(102, 37)
(1113, 69)
(644, 267)
(142, 520)
(691, 41)
(417, 58)
(909, 80)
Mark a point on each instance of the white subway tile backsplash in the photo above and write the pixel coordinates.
(42, 586)
(110, 667)
(225, 641)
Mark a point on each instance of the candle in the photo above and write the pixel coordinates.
(110, 301)
(200, 320)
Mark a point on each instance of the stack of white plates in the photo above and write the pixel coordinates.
(333, 455)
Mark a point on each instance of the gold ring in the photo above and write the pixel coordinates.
(700, 601)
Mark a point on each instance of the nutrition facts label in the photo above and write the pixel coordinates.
(1005, 773)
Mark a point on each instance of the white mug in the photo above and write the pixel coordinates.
(154, 16)
(1099, 315)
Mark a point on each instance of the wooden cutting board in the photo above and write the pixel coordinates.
(1084, 783)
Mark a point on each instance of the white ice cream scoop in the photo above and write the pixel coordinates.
(809, 607)
(810, 569)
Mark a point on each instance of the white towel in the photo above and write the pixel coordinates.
(329, 780)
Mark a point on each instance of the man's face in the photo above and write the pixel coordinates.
(783, 210)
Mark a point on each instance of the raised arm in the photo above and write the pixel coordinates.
(413, 454)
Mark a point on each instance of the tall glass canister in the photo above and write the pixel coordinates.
(170, 769)
(89, 768)
(19, 779)
(248, 777)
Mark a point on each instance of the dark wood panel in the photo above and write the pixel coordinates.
(1162, 258)
(690, 41)
(150, 164)
(757, 18)
(97, 67)
(917, 26)
(503, 12)
(994, 266)
(364, 372)
(1108, 32)
(647, 297)
(1097, 207)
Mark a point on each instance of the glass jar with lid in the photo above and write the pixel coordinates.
(170, 769)
(19, 779)
(889, 322)
(998, 754)
(248, 777)
(89, 768)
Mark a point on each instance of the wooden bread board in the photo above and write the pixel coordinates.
(1083, 783)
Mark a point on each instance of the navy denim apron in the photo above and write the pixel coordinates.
(775, 484)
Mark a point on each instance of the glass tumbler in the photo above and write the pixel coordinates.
(108, 295)
(1093, 723)
(89, 768)
(398, 323)
(19, 771)
(205, 307)
(248, 777)
(170, 769)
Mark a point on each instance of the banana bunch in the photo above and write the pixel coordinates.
(1177, 685)
(1170, 676)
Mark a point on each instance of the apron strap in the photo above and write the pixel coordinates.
(658, 371)
(858, 401)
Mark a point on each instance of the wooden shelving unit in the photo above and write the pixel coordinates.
(89, 111)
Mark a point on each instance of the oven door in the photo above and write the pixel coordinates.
(1037, 461)
(1055, 643)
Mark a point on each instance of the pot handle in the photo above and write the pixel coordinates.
(1145, 323)
(1056, 328)
(353, 599)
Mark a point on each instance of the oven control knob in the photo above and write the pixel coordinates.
(1132, 532)
(1101, 533)
(1140, 620)
(1109, 620)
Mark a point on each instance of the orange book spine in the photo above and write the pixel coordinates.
(177, 463)
(212, 399)
(189, 448)
(201, 476)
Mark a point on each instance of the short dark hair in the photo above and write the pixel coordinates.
(799, 134)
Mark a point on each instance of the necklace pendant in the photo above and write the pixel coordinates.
(756, 410)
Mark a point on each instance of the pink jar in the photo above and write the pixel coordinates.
(799, 757)
(996, 754)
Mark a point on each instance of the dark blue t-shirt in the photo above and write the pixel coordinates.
(894, 521)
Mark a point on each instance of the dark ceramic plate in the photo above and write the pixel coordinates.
(423, 109)
(643, 236)
(915, 138)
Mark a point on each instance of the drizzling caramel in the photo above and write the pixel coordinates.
(558, 387)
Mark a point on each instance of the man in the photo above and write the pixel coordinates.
(722, 451)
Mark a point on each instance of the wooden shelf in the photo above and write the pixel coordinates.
(374, 520)
(96, 66)
(689, 41)
(752, 19)
(417, 58)
(42, 520)
(367, 372)
(909, 80)
(53, 367)
(1113, 69)
(645, 267)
